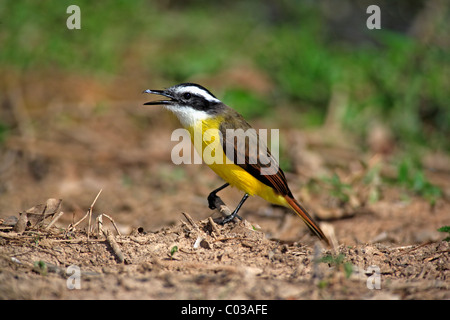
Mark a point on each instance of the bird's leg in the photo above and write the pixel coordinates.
(234, 214)
(212, 200)
(213, 195)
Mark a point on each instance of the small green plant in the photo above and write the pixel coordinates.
(339, 263)
(40, 267)
(445, 229)
(338, 189)
(372, 179)
(4, 131)
(173, 250)
(411, 176)
(36, 240)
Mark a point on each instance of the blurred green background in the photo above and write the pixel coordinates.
(311, 52)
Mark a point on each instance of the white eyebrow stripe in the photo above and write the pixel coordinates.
(197, 91)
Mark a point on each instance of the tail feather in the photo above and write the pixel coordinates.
(302, 213)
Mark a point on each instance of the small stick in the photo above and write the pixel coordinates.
(114, 224)
(190, 220)
(8, 235)
(55, 218)
(112, 242)
(90, 212)
(235, 238)
(213, 226)
(222, 207)
(99, 222)
(79, 221)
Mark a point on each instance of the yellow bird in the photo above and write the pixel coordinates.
(231, 148)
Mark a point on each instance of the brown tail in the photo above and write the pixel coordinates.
(302, 213)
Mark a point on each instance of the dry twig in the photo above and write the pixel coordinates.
(112, 242)
(215, 231)
(190, 220)
(55, 218)
(99, 223)
(221, 207)
(88, 214)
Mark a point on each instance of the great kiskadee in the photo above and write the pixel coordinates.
(199, 111)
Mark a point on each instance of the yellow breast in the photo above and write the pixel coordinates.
(205, 136)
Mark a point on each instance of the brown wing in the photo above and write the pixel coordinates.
(242, 145)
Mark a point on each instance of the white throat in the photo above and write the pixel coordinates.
(188, 116)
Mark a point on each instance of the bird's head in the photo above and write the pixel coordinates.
(189, 101)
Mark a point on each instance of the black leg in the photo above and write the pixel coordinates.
(212, 196)
(234, 214)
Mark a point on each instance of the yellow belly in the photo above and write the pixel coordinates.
(211, 150)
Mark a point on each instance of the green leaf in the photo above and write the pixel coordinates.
(40, 267)
(445, 229)
(173, 250)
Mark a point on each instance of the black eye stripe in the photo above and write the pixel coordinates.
(197, 101)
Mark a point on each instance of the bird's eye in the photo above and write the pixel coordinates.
(187, 95)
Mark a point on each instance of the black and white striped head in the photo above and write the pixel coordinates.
(189, 101)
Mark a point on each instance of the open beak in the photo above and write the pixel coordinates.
(161, 93)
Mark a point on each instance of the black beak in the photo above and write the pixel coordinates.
(161, 93)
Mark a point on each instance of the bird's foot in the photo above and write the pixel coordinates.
(230, 218)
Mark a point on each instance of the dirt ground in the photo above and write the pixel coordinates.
(168, 247)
